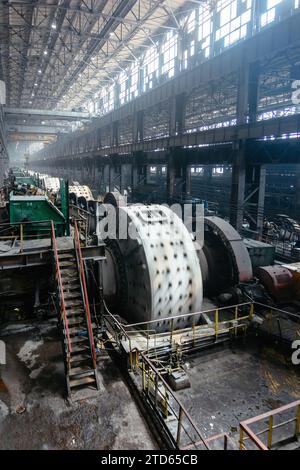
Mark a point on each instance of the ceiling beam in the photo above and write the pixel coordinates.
(20, 129)
(19, 137)
(45, 114)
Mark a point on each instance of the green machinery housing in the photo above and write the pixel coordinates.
(37, 212)
(22, 177)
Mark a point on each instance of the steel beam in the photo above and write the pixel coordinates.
(248, 53)
(16, 137)
(34, 129)
(263, 45)
(45, 114)
(223, 135)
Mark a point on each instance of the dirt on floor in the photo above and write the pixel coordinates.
(228, 385)
(35, 415)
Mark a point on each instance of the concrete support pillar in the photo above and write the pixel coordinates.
(106, 178)
(138, 170)
(178, 178)
(253, 90)
(238, 185)
(177, 114)
(125, 177)
(98, 175)
(248, 192)
(208, 172)
(247, 102)
(142, 174)
(255, 197)
(171, 177)
(115, 133)
(188, 181)
(138, 126)
(248, 93)
(242, 96)
(115, 177)
(180, 51)
(134, 176)
(110, 177)
(261, 181)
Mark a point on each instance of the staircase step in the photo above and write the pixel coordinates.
(72, 287)
(82, 381)
(72, 295)
(68, 287)
(79, 318)
(76, 328)
(66, 263)
(94, 326)
(80, 358)
(66, 256)
(75, 309)
(81, 370)
(69, 269)
(75, 313)
(69, 276)
(81, 348)
(69, 281)
(79, 340)
(75, 321)
(65, 272)
(76, 303)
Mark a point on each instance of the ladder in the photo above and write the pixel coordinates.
(74, 317)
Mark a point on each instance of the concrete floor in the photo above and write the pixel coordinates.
(231, 384)
(228, 385)
(34, 414)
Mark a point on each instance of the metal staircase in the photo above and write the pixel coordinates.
(75, 317)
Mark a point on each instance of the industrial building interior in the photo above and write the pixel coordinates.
(150, 225)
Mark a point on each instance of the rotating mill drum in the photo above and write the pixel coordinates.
(155, 273)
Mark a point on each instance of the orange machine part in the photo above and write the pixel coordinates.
(278, 281)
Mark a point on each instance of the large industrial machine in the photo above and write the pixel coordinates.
(38, 198)
(28, 210)
(152, 269)
(149, 282)
(156, 267)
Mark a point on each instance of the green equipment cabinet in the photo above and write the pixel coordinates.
(39, 211)
(27, 180)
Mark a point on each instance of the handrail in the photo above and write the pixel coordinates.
(125, 331)
(184, 315)
(223, 436)
(62, 298)
(13, 224)
(156, 376)
(254, 436)
(16, 231)
(85, 293)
